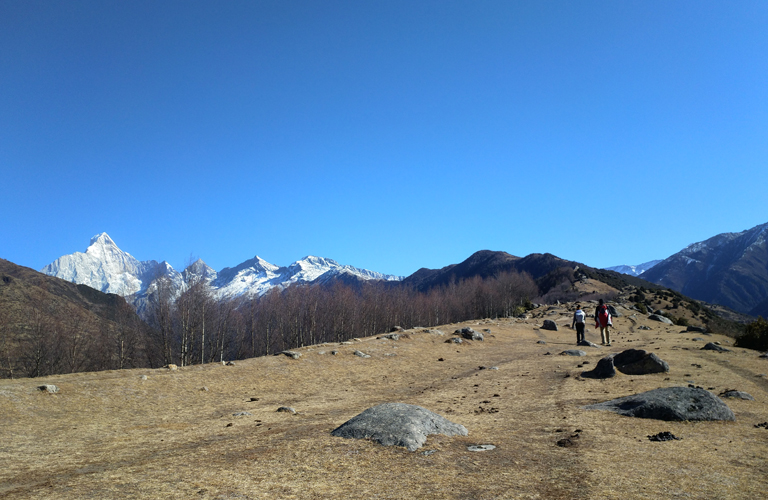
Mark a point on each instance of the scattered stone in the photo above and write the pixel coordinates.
(436, 332)
(427, 453)
(698, 339)
(573, 352)
(361, 354)
(390, 336)
(50, 388)
(481, 447)
(613, 311)
(733, 393)
(172, 367)
(241, 414)
(229, 424)
(398, 424)
(587, 343)
(549, 325)
(455, 340)
(568, 442)
(143, 377)
(469, 334)
(494, 368)
(397, 329)
(697, 329)
(345, 343)
(664, 436)
(643, 327)
(662, 319)
(230, 363)
(603, 370)
(669, 403)
(764, 425)
(711, 346)
(334, 353)
(639, 362)
(540, 342)
(204, 389)
(254, 399)
(287, 409)
(292, 354)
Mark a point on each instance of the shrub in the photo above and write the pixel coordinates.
(641, 307)
(681, 322)
(755, 336)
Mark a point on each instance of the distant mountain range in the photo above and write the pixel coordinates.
(105, 267)
(730, 269)
(634, 270)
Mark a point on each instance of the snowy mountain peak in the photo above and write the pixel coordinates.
(101, 239)
(634, 270)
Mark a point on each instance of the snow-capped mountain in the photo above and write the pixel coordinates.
(634, 270)
(107, 268)
(730, 269)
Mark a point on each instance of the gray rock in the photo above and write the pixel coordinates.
(587, 343)
(362, 354)
(287, 409)
(540, 342)
(639, 362)
(549, 325)
(470, 334)
(241, 414)
(573, 352)
(391, 336)
(662, 319)
(711, 346)
(50, 388)
(697, 329)
(604, 369)
(397, 329)
(643, 327)
(613, 311)
(669, 403)
(292, 354)
(455, 340)
(481, 447)
(143, 377)
(737, 395)
(398, 424)
(334, 353)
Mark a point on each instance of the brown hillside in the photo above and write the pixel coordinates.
(174, 434)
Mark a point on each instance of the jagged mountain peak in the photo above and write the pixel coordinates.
(101, 239)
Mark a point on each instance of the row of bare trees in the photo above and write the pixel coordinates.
(192, 325)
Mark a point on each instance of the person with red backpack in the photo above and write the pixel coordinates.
(603, 321)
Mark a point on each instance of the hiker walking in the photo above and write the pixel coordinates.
(579, 317)
(603, 321)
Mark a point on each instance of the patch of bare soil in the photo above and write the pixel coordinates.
(213, 432)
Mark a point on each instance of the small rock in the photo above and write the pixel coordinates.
(664, 436)
(334, 353)
(732, 393)
(549, 325)
(204, 389)
(391, 336)
(643, 327)
(50, 388)
(361, 354)
(573, 352)
(697, 329)
(603, 370)
(660, 318)
(481, 447)
(455, 340)
(711, 346)
(230, 363)
(241, 414)
(587, 343)
(292, 354)
(143, 377)
(172, 367)
(287, 409)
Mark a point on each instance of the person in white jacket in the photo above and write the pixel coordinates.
(579, 321)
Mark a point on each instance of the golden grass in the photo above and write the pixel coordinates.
(114, 435)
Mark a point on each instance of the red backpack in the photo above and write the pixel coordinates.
(603, 314)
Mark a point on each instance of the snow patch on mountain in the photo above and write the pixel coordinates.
(634, 270)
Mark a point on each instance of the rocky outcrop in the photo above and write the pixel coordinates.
(669, 403)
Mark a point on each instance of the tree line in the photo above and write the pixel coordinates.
(193, 325)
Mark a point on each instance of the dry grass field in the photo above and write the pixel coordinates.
(174, 434)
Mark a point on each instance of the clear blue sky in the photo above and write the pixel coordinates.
(389, 135)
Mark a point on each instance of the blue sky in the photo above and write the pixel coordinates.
(387, 135)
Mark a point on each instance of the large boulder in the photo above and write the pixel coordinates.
(603, 370)
(469, 334)
(669, 403)
(549, 325)
(614, 312)
(398, 424)
(639, 362)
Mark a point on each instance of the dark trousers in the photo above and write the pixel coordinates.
(579, 332)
